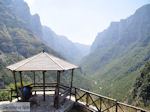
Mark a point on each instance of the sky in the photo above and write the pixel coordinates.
(81, 20)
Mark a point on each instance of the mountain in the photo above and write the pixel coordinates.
(20, 37)
(140, 94)
(118, 53)
(17, 32)
(16, 35)
(19, 10)
(84, 49)
(69, 50)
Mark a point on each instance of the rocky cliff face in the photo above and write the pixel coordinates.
(21, 35)
(140, 94)
(118, 53)
(16, 13)
(126, 31)
(17, 39)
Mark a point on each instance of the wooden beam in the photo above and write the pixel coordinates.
(44, 85)
(16, 88)
(20, 73)
(21, 79)
(100, 105)
(75, 95)
(34, 80)
(58, 84)
(87, 99)
(94, 103)
(80, 97)
(56, 98)
(71, 83)
(116, 106)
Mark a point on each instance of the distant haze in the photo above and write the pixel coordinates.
(81, 20)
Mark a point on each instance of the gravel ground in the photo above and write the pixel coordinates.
(38, 105)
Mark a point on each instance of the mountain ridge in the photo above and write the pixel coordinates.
(64, 46)
(20, 37)
(33, 24)
(119, 53)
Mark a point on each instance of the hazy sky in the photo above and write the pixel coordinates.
(81, 20)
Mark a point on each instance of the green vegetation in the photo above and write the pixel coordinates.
(4, 95)
(20, 37)
(118, 54)
(140, 94)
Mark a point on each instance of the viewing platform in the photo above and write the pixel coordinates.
(80, 99)
(57, 96)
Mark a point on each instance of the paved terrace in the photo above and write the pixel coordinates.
(57, 97)
(85, 100)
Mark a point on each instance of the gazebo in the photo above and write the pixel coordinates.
(43, 62)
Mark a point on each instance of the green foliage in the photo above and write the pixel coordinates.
(18, 39)
(118, 54)
(4, 95)
(12, 85)
(141, 90)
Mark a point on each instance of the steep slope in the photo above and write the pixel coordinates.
(15, 31)
(17, 39)
(140, 94)
(65, 47)
(20, 37)
(32, 23)
(118, 53)
(84, 49)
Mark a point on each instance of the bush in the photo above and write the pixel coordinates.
(4, 95)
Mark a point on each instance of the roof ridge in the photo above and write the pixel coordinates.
(55, 62)
(29, 60)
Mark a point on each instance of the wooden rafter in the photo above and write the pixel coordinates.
(94, 103)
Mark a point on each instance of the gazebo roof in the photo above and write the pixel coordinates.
(41, 62)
